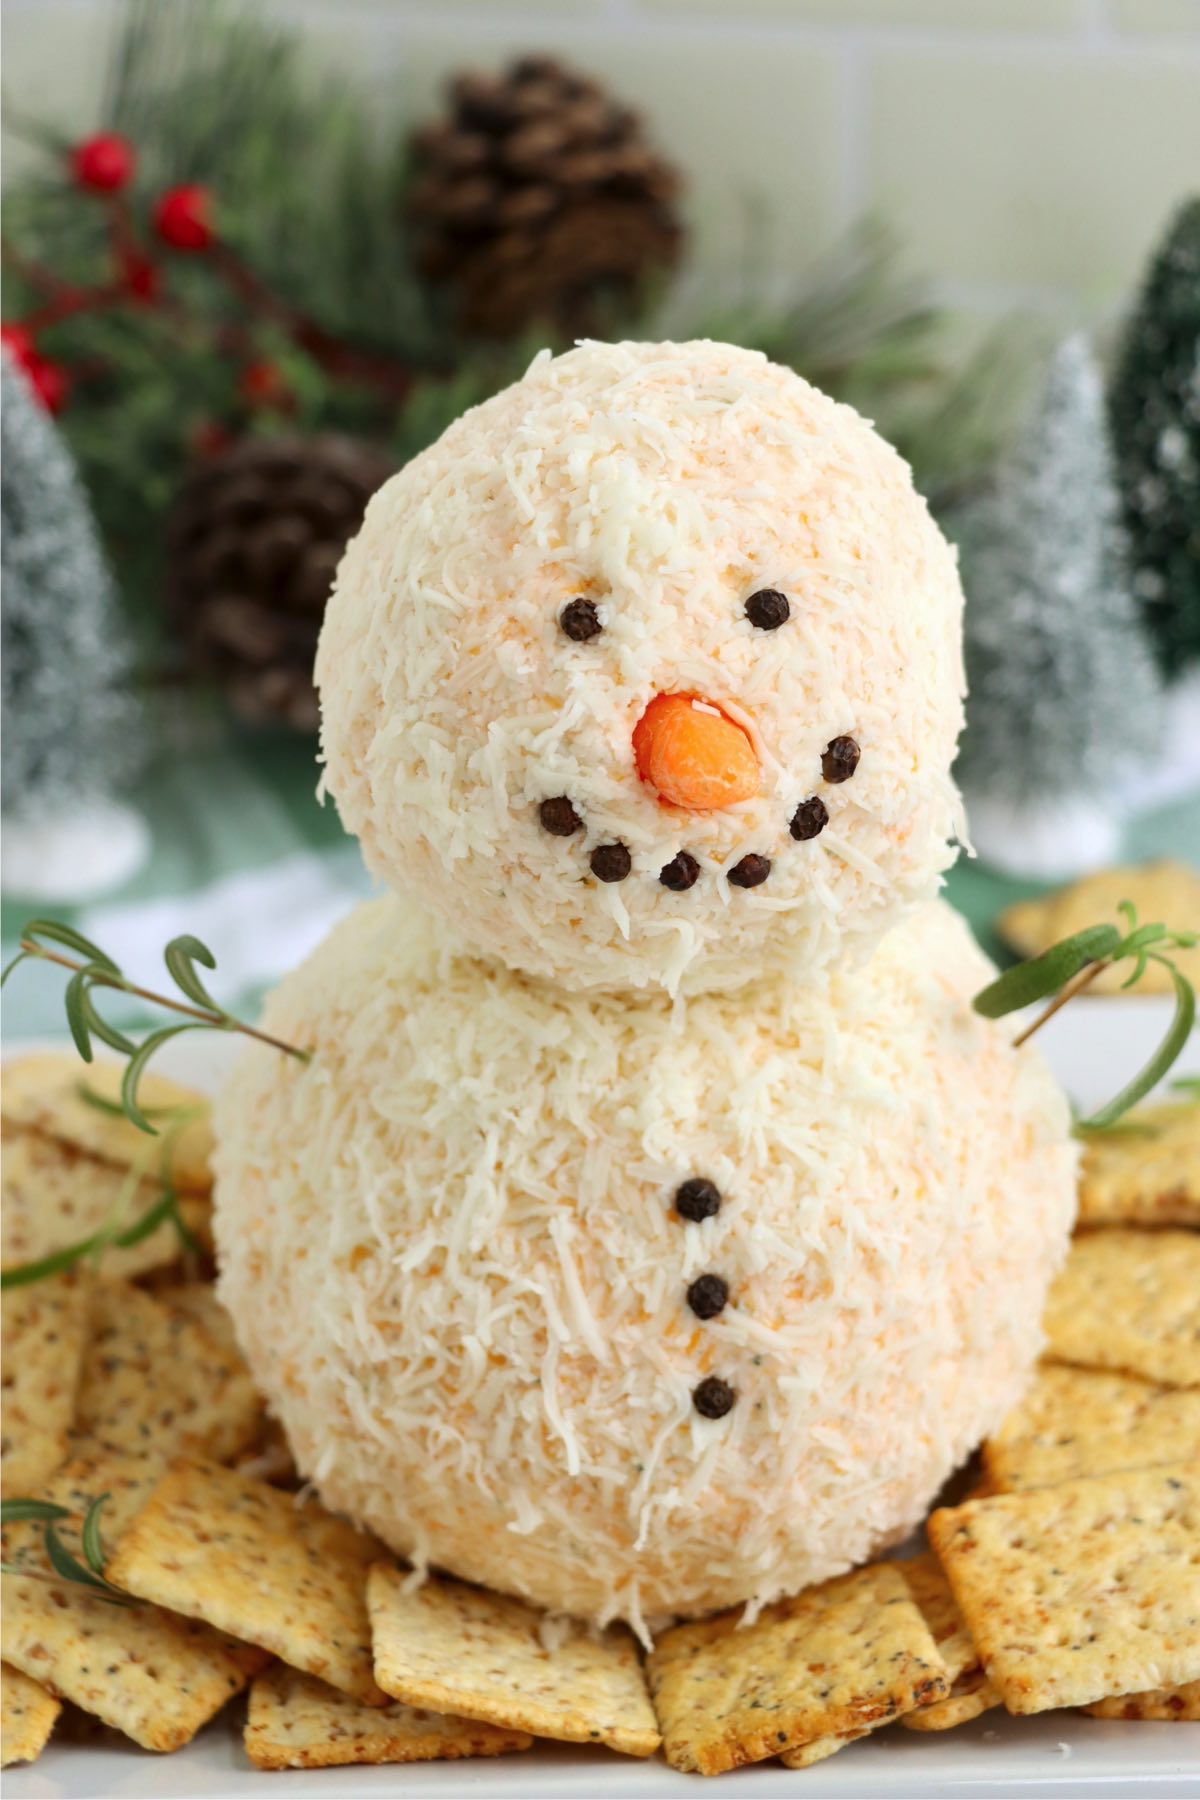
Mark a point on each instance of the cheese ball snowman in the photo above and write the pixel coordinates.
(655, 1225)
(649, 673)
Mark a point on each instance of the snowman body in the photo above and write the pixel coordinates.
(643, 1238)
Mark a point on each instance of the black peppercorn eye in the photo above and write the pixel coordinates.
(580, 620)
(809, 819)
(697, 1198)
(840, 759)
(558, 817)
(713, 1398)
(768, 609)
(751, 872)
(681, 873)
(610, 862)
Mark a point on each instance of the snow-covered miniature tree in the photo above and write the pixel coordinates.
(71, 735)
(1154, 408)
(1064, 705)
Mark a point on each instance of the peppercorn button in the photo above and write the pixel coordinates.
(697, 1199)
(840, 759)
(558, 817)
(580, 620)
(712, 1397)
(809, 819)
(707, 1296)
(610, 862)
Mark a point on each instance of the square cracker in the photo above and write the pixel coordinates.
(1129, 1300)
(1146, 1174)
(1171, 1703)
(46, 1093)
(27, 1715)
(55, 1196)
(1076, 1422)
(851, 1653)
(971, 1695)
(154, 1379)
(939, 1609)
(1168, 890)
(251, 1561)
(464, 1650)
(45, 1328)
(154, 1677)
(1077, 1592)
(295, 1722)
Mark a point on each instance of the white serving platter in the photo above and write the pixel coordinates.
(1093, 1046)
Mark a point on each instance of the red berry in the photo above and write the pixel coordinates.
(19, 344)
(141, 277)
(261, 384)
(210, 437)
(182, 217)
(103, 163)
(50, 382)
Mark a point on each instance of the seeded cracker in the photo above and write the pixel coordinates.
(1130, 1300)
(971, 1695)
(931, 1591)
(44, 1333)
(1147, 1174)
(55, 1196)
(1076, 1422)
(44, 1092)
(156, 1678)
(1078, 1592)
(1169, 1703)
(295, 1722)
(464, 1650)
(214, 1545)
(847, 1655)
(27, 1715)
(154, 1379)
(817, 1749)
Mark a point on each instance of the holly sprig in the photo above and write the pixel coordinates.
(93, 970)
(66, 1566)
(1070, 966)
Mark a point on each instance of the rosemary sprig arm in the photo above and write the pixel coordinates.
(1068, 967)
(65, 1565)
(91, 968)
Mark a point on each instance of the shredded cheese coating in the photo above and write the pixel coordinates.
(666, 483)
(449, 1246)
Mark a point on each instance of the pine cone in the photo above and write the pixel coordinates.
(538, 199)
(253, 541)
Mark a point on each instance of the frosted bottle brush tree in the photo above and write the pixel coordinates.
(71, 736)
(1064, 703)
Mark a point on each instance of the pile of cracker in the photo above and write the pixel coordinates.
(1070, 1579)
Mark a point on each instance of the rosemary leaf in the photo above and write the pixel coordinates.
(77, 1019)
(180, 955)
(12, 1511)
(71, 1569)
(1045, 974)
(93, 1548)
(1176, 1037)
(70, 939)
(135, 1068)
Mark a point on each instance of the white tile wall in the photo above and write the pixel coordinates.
(1029, 149)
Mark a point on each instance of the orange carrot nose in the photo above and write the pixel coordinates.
(693, 755)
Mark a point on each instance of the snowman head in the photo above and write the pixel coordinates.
(648, 672)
